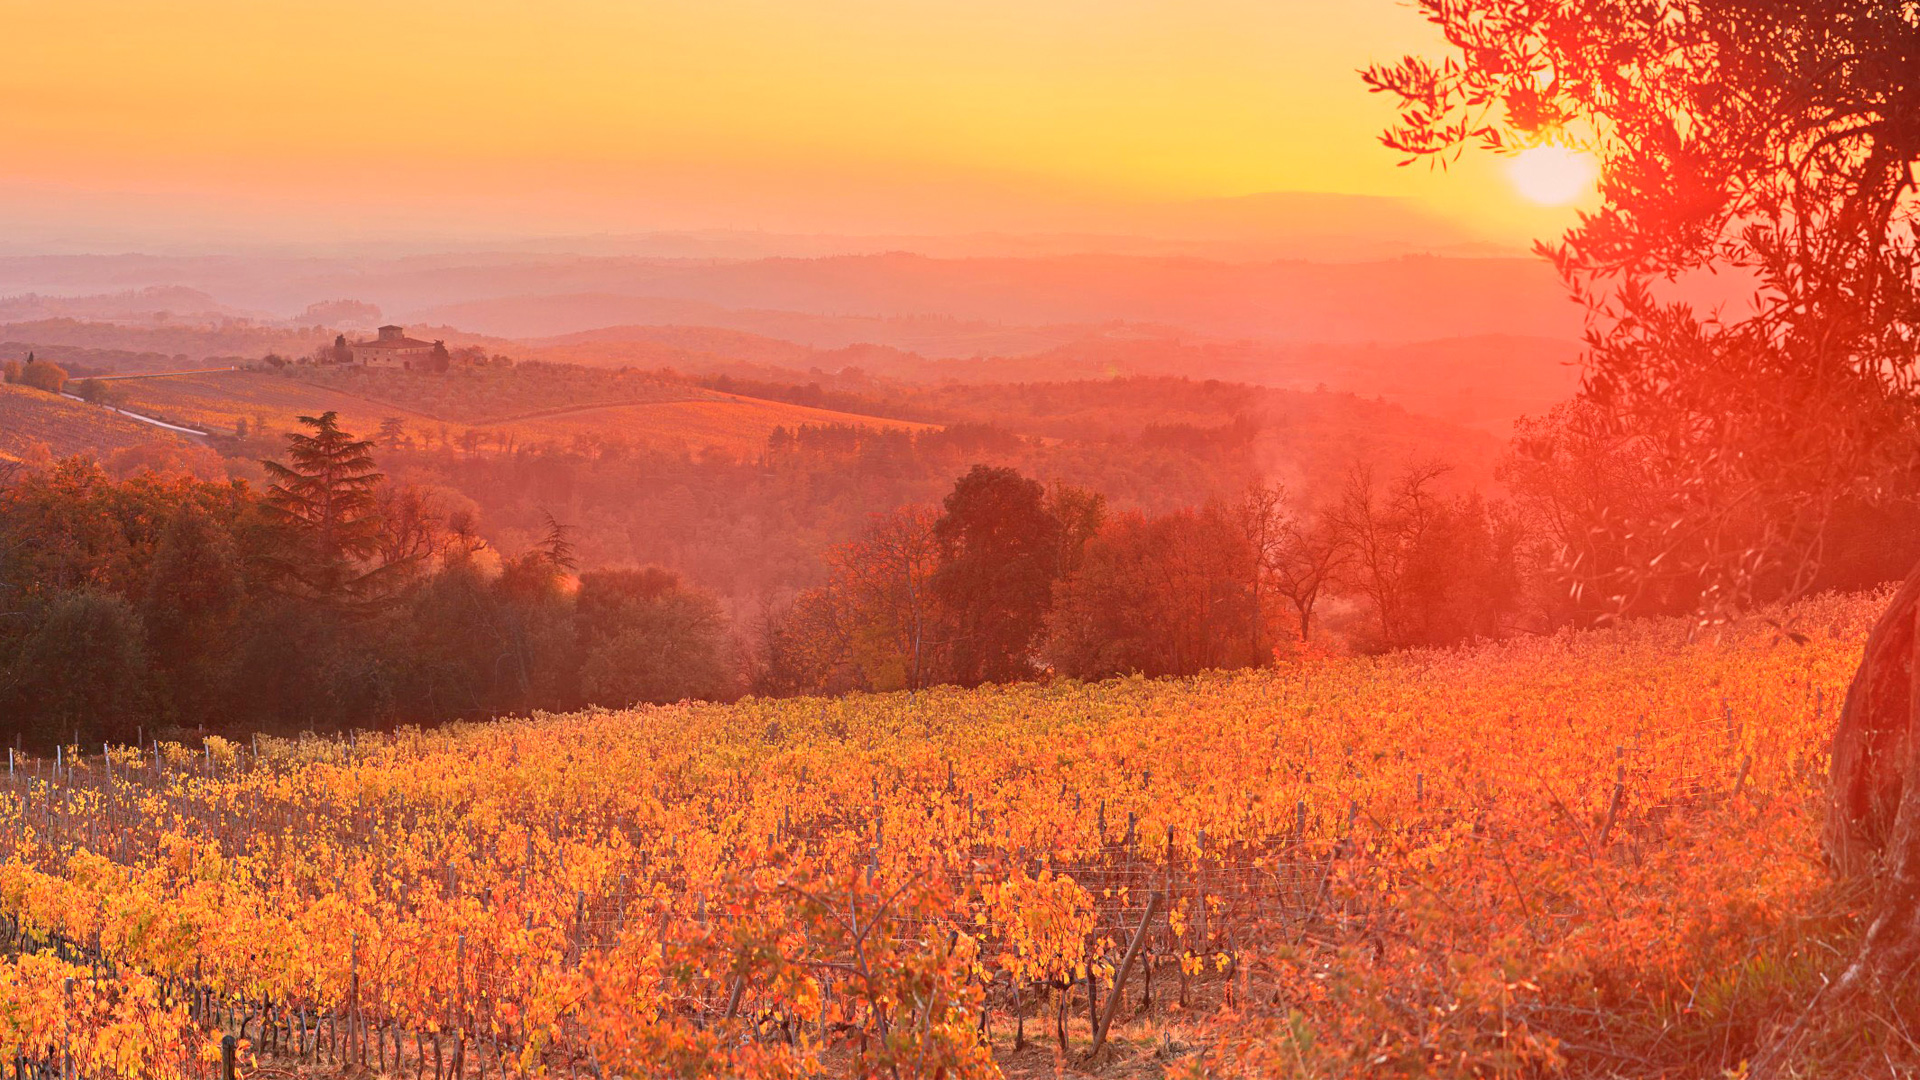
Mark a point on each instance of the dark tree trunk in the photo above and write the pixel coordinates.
(1873, 792)
(1872, 831)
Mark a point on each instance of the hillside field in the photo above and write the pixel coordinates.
(30, 418)
(436, 408)
(1591, 854)
(218, 401)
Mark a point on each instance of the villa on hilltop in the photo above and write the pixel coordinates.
(393, 348)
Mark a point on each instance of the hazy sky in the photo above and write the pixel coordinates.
(294, 118)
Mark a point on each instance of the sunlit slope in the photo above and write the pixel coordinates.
(727, 421)
(689, 417)
(219, 401)
(30, 418)
(1584, 848)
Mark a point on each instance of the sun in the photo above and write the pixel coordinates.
(1551, 175)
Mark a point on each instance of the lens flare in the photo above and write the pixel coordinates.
(1552, 175)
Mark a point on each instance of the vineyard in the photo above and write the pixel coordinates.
(476, 410)
(481, 395)
(219, 401)
(30, 418)
(1591, 854)
(726, 421)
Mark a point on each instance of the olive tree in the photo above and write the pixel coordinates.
(1776, 141)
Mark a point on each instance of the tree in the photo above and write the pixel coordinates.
(193, 594)
(393, 433)
(42, 375)
(646, 637)
(1264, 518)
(413, 527)
(894, 630)
(1304, 563)
(83, 669)
(440, 360)
(999, 549)
(875, 625)
(555, 547)
(1080, 513)
(1381, 531)
(326, 497)
(1775, 141)
(1166, 595)
(95, 391)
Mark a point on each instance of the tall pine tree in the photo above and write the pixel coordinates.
(325, 496)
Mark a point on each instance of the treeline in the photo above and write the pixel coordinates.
(331, 598)
(1011, 580)
(333, 595)
(753, 528)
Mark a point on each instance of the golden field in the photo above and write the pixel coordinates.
(1585, 854)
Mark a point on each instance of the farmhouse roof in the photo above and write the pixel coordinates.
(394, 343)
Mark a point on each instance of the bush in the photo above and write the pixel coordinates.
(97, 392)
(42, 375)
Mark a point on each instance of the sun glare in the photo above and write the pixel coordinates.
(1551, 175)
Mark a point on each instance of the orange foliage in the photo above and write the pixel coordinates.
(1573, 853)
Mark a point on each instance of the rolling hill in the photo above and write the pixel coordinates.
(34, 424)
(687, 417)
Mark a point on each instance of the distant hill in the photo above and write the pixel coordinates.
(1486, 381)
(154, 305)
(1308, 440)
(1398, 300)
(524, 295)
(602, 318)
(118, 347)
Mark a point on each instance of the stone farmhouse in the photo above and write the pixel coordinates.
(393, 348)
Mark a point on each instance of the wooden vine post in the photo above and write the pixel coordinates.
(1120, 977)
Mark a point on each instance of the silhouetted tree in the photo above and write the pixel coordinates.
(83, 669)
(393, 433)
(999, 555)
(1305, 563)
(194, 590)
(646, 637)
(325, 496)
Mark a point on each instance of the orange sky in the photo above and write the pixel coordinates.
(297, 118)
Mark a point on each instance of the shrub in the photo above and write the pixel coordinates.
(42, 375)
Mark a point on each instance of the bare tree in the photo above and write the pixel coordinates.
(1307, 564)
(1264, 519)
(1380, 530)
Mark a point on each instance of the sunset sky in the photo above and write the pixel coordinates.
(298, 119)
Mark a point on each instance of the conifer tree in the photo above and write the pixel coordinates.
(324, 495)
